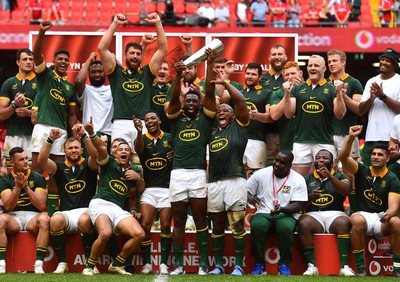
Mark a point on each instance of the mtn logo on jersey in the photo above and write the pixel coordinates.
(133, 86)
(312, 107)
(156, 163)
(189, 134)
(28, 103)
(218, 145)
(370, 195)
(75, 186)
(57, 94)
(325, 200)
(160, 99)
(118, 187)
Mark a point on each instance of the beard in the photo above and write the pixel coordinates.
(97, 83)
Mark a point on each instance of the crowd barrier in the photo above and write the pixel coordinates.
(21, 255)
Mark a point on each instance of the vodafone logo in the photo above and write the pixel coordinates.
(272, 255)
(364, 39)
(50, 255)
(372, 246)
(247, 218)
(374, 268)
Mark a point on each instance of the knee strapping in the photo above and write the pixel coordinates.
(234, 217)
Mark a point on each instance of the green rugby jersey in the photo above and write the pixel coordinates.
(372, 191)
(287, 127)
(314, 112)
(54, 95)
(268, 80)
(227, 148)
(35, 181)
(258, 98)
(113, 186)
(330, 199)
(158, 100)
(76, 185)
(131, 91)
(354, 88)
(189, 139)
(156, 167)
(19, 126)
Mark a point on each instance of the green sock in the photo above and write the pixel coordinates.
(359, 258)
(202, 243)
(52, 203)
(145, 248)
(58, 240)
(178, 252)
(119, 261)
(218, 244)
(166, 242)
(396, 262)
(41, 253)
(87, 242)
(3, 252)
(344, 249)
(90, 263)
(308, 252)
(112, 246)
(239, 241)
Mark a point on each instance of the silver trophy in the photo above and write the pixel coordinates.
(201, 56)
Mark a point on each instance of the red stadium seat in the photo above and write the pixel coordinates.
(91, 16)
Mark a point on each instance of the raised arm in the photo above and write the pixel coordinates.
(187, 40)
(99, 145)
(107, 58)
(158, 58)
(289, 102)
(44, 160)
(139, 144)
(175, 103)
(210, 102)
(38, 47)
(344, 156)
(80, 80)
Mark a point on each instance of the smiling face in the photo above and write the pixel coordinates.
(152, 123)
(277, 58)
(163, 74)
(316, 69)
(61, 62)
(379, 158)
(386, 65)
(191, 105)
(123, 155)
(73, 151)
(290, 74)
(323, 158)
(225, 115)
(133, 58)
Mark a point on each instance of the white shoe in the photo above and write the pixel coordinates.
(346, 271)
(163, 269)
(2, 266)
(62, 268)
(146, 269)
(312, 270)
(96, 270)
(203, 270)
(88, 271)
(39, 267)
(178, 271)
(117, 270)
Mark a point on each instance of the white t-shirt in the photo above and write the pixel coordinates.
(380, 116)
(293, 188)
(207, 12)
(395, 133)
(98, 103)
(241, 11)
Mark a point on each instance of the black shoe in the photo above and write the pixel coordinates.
(361, 272)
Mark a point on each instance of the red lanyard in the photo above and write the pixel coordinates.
(273, 184)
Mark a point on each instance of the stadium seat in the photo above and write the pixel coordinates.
(120, 7)
(91, 16)
(191, 8)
